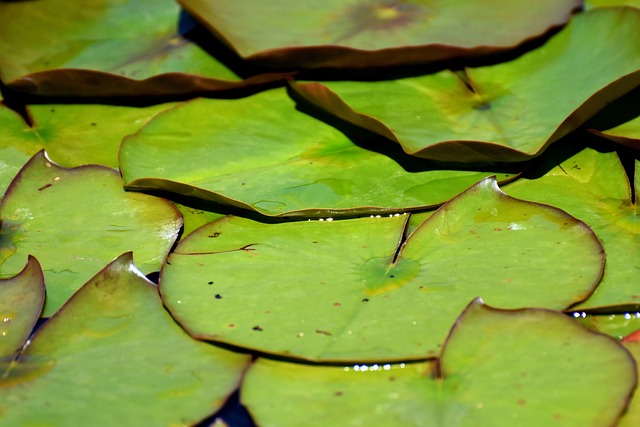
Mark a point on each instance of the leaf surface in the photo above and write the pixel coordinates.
(506, 112)
(260, 154)
(527, 367)
(351, 290)
(112, 355)
(75, 221)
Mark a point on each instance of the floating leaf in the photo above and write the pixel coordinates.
(632, 416)
(527, 367)
(616, 325)
(364, 33)
(259, 153)
(107, 48)
(501, 113)
(17, 145)
(593, 187)
(352, 290)
(113, 356)
(75, 221)
(195, 218)
(21, 301)
(590, 4)
(626, 134)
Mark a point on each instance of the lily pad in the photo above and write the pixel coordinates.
(507, 112)
(593, 187)
(21, 301)
(626, 134)
(616, 325)
(106, 48)
(260, 154)
(528, 367)
(75, 221)
(590, 4)
(364, 33)
(347, 290)
(113, 356)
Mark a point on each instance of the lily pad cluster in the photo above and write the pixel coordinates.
(378, 212)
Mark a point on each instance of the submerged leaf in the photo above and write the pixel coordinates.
(507, 112)
(76, 220)
(21, 301)
(363, 33)
(113, 356)
(593, 187)
(527, 367)
(352, 290)
(259, 153)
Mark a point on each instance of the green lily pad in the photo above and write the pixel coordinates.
(21, 301)
(593, 187)
(528, 367)
(355, 290)
(113, 356)
(365, 33)
(259, 153)
(626, 134)
(75, 221)
(632, 416)
(507, 112)
(590, 4)
(194, 218)
(102, 48)
(616, 325)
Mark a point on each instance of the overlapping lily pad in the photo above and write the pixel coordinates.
(75, 221)
(113, 356)
(106, 48)
(259, 153)
(364, 33)
(501, 113)
(353, 290)
(529, 367)
(21, 301)
(626, 134)
(593, 187)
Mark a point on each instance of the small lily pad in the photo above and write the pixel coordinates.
(75, 221)
(113, 356)
(528, 367)
(260, 154)
(365, 33)
(593, 187)
(347, 290)
(21, 301)
(507, 112)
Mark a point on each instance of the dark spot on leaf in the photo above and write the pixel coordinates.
(522, 402)
(214, 235)
(392, 379)
(498, 229)
(231, 325)
(94, 124)
(210, 283)
(483, 106)
(257, 328)
(337, 304)
(44, 187)
(53, 110)
(320, 331)
(338, 393)
(634, 296)
(218, 296)
(365, 300)
(314, 242)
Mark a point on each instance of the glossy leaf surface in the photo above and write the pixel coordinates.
(21, 301)
(352, 290)
(104, 48)
(259, 153)
(505, 112)
(335, 33)
(75, 221)
(593, 187)
(113, 356)
(528, 367)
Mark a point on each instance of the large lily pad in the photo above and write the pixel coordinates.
(75, 221)
(113, 356)
(593, 187)
(352, 290)
(105, 48)
(259, 153)
(498, 368)
(501, 113)
(362, 33)
(21, 301)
